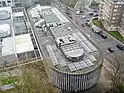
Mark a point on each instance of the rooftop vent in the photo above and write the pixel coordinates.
(4, 15)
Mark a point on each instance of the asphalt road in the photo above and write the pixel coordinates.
(103, 44)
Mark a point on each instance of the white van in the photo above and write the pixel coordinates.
(77, 11)
(83, 16)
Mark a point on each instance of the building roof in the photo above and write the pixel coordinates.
(118, 1)
(17, 41)
(5, 13)
(88, 55)
(23, 43)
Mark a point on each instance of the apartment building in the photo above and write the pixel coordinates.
(121, 27)
(111, 12)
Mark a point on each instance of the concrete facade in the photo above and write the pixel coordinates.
(72, 70)
(121, 27)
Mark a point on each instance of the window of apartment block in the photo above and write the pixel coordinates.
(116, 6)
(114, 14)
(112, 21)
(113, 18)
(115, 10)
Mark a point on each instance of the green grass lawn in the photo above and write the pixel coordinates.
(117, 35)
(97, 23)
(9, 80)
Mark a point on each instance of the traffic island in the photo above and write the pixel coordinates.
(98, 23)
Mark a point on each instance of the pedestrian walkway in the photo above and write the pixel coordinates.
(107, 65)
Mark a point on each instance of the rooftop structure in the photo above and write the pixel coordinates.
(22, 3)
(17, 41)
(75, 60)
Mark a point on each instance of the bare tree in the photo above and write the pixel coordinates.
(116, 73)
(33, 79)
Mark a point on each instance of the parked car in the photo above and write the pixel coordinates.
(120, 47)
(104, 36)
(110, 49)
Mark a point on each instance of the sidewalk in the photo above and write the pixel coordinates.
(107, 65)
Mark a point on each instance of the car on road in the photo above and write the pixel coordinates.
(91, 13)
(96, 15)
(88, 20)
(82, 25)
(103, 35)
(96, 30)
(81, 11)
(87, 24)
(120, 47)
(95, 11)
(77, 11)
(110, 49)
(83, 16)
(70, 16)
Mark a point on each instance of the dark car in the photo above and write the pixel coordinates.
(81, 11)
(70, 16)
(82, 25)
(104, 36)
(111, 49)
(87, 24)
(96, 15)
(88, 20)
(95, 11)
(120, 47)
(91, 13)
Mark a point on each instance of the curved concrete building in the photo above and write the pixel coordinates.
(75, 61)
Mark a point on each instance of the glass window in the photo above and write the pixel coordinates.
(116, 6)
(8, 1)
(114, 14)
(113, 17)
(115, 10)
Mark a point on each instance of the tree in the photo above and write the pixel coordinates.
(33, 79)
(116, 73)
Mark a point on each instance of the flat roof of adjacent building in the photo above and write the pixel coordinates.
(20, 44)
(63, 27)
(23, 43)
(118, 1)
